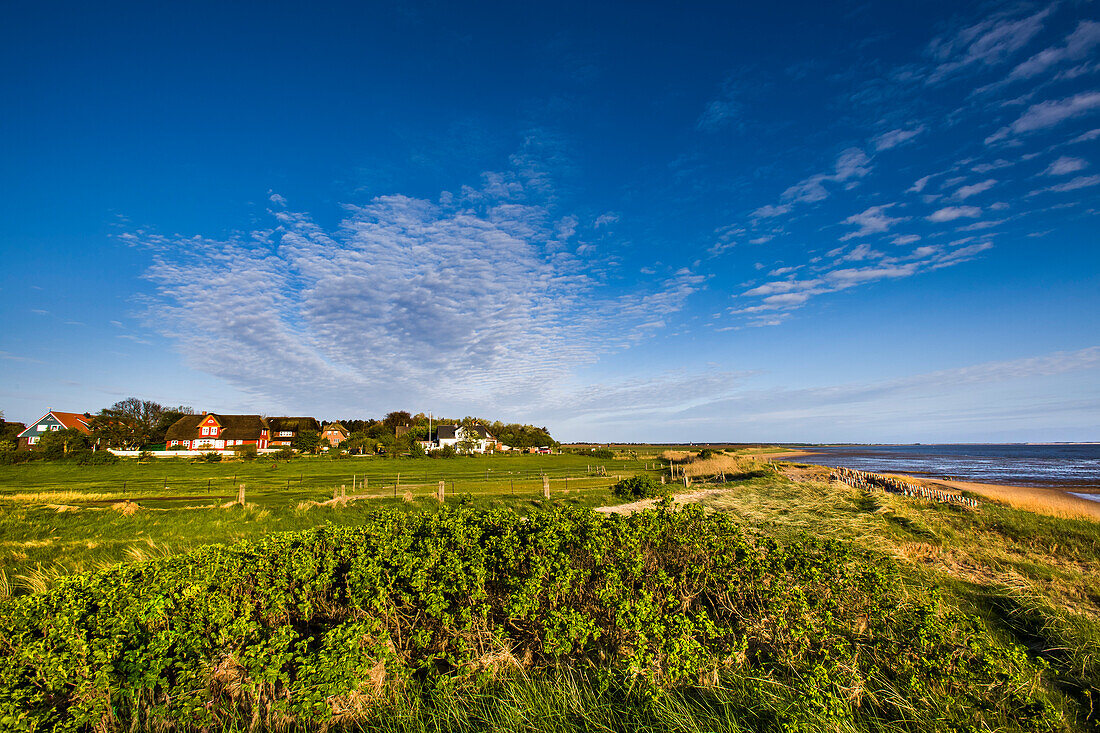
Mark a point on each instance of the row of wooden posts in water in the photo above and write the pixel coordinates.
(864, 480)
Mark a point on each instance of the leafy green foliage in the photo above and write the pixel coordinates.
(212, 457)
(639, 487)
(811, 635)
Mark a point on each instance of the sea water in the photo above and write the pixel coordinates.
(1067, 466)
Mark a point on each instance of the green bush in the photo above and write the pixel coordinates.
(639, 487)
(322, 627)
(283, 454)
(212, 457)
(297, 627)
(246, 452)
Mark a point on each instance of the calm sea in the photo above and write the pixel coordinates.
(1072, 467)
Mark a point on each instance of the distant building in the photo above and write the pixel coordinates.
(285, 430)
(334, 433)
(452, 435)
(54, 420)
(211, 432)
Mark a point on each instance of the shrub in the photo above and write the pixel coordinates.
(707, 453)
(94, 458)
(212, 457)
(447, 451)
(145, 455)
(176, 447)
(639, 487)
(321, 627)
(284, 454)
(246, 452)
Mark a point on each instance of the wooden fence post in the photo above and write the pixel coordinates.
(546, 486)
(441, 493)
(343, 491)
(240, 495)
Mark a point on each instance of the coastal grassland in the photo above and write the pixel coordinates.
(471, 619)
(1023, 587)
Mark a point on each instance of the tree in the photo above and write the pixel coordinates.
(469, 441)
(133, 422)
(58, 443)
(308, 441)
(393, 419)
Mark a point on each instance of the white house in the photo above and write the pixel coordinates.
(452, 435)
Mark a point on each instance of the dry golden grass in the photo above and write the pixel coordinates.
(716, 465)
(57, 497)
(675, 456)
(1051, 502)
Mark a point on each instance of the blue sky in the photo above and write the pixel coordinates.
(786, 222)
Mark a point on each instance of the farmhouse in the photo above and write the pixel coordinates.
(334, 433)
(285, 430)
(217, 432)
(452, 435)
(54, 420)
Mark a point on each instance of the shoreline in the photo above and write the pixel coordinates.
(1051, 501)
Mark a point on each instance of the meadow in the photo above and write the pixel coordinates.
(59, 518)
(496, 613)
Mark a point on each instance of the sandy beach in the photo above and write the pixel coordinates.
(1050, 501)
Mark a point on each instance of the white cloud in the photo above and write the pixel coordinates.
(851, 164)
(277, 199)
(984, 44)
(834, 276)
(1048, 114)
(906, 239)
(605, 220)
(1078, 45)
(769, 211)
(1065, 165)
(873, 220)
(1070, 185)
(919, 185)
(893, 138)
(950, 213)
(965, 192)
(406, 301)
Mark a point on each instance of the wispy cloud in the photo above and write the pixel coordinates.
(1048, 114)
(987, 43)
(851, 164)
(1065, 165)
(1078, 45)
(477, 294)
(965, 192)
(950, 213)
(873, 220)
(893, 138)
(1071, 185)
(832, 275)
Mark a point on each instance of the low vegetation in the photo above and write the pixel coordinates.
(334, 624)
(775, 600)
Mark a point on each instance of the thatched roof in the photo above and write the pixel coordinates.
(234, 427)
(296, 424)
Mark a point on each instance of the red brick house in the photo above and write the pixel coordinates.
(334, 433)
(211, 432)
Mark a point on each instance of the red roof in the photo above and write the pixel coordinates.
(72, 420)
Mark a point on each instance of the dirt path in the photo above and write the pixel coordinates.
(691, 497)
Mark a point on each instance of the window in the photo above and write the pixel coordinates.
(206, 431)
(55, 427)
(43, 427)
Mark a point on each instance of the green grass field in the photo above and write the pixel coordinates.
(59, 518)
